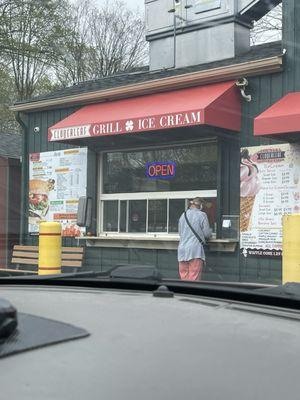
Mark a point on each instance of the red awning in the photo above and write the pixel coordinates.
(216, 105)
(282, 117)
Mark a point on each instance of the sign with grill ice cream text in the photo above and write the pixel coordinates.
(133, 125)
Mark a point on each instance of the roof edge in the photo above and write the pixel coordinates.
(269, 65)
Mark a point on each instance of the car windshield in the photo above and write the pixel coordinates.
(150, 140)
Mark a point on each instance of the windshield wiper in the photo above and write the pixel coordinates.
(140, 274)
(69, 275)
(120, 271)
(290, 290)
(285, 296)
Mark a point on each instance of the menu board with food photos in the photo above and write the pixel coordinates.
(269, 189)
(57, 179)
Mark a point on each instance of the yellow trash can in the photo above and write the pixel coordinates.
(291, 248)
(49, 248)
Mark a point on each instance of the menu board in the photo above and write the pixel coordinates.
(57, 179)
(269, 189)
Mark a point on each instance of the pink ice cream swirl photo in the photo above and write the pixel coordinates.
(250, 186)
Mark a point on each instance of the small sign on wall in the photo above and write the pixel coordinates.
(206, 5)
(161, 170)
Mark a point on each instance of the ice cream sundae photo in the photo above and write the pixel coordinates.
(250, 186)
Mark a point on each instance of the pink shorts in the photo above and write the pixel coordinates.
(191, 270)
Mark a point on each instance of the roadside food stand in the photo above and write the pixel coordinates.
(142, 143)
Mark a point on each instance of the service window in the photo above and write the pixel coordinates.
(146, 191)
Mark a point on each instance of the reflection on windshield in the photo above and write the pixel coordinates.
(150, 154)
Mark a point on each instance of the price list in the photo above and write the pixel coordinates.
(278, 174)
(66, 170)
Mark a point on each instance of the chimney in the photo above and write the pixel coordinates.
(182, 33)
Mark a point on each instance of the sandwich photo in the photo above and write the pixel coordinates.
(38, 197)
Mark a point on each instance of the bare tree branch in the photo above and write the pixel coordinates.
(104, 41)
(269, 28)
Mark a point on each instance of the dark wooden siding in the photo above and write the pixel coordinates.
(218, 266)
(265, 91)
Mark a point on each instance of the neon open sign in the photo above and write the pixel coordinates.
(161, 170)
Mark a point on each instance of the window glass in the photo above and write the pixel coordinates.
(137, 216)
(210, 208)
(157, 215)
(195, 169)
(110, 216)
(176, 208)
(123, 216)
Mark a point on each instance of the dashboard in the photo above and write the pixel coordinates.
(146, 347)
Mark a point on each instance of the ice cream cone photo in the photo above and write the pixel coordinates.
(249, 187)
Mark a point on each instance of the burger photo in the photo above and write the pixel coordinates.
(38, 197)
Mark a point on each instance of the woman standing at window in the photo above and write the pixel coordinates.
(193, 231)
